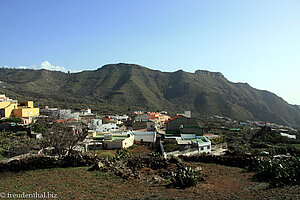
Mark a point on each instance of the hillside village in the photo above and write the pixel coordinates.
(177, 151)
(150, 100)
(169, 135)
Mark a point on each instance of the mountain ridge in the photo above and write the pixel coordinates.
(128, 86)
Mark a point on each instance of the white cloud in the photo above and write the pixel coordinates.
(44, 65)
(22, 67)
(48, 66)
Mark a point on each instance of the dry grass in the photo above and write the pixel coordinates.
(77, 183)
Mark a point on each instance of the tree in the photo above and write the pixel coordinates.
(63, 137)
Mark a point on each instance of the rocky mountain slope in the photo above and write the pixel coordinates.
(125, 87)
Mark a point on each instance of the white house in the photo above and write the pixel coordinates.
(85, 112)
(145, 136)
(288, 135)
(95, 124)
(98, 126)
(203, 144)
(120, 117)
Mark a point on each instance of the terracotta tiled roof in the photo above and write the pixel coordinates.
(143, 129)
(171, 119)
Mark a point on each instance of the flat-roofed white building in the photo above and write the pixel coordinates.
(145, 136)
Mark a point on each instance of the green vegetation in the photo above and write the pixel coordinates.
(278, 171)
(252, 141)
(170, 145)
(125, 87)
(124, 153)
(13, 144)
(268, 136)
(154, 154)
(11, 120)
(185, 177)
(297, 146)
(217, 140)
(107, 155)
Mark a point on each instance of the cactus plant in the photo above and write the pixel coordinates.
(185, 177)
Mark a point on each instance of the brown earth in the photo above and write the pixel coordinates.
(221, 182)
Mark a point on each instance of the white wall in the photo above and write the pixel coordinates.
(144, 136)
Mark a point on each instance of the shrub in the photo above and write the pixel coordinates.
(185, 177)
(124, 153)
(154, 154)
(169, 141)
(11, 120)
(106, 155)
(279, 171)
(132, 147)
(171, 147)
(14, 144)
(21, 133)
(175, 159)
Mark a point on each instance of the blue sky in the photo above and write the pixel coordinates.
(254, 41)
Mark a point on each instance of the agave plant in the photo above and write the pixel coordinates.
(185, 177)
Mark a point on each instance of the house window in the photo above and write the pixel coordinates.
(36, 112)
(208, 147)
(25, 113)
(31, 112)
(202, 148)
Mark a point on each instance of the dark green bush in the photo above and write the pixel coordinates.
(11, 120)
(278, 171)
(171, 147)
(185, 177)
(169, 141)
(13, 144)
(21, 133)
(124, 153)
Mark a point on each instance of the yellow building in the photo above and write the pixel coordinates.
(28, 104)
(26, 112)
(162, 119)
(7, 106)
(11, 108)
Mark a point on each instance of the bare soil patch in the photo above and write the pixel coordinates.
(221, 182)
